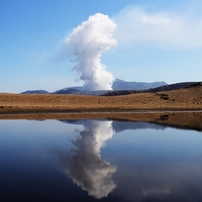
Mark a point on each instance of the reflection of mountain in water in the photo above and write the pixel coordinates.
(149, 169)
(85, 165)
(119, 126)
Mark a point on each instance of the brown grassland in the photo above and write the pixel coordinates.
(181, 107)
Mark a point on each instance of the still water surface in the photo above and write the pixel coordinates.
(98, 160)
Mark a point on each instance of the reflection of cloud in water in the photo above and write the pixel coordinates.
(85, 166)
(158, 170)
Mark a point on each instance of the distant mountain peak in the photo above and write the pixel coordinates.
(35, 92)
(68, 91)
(117, 85)
(133, 85)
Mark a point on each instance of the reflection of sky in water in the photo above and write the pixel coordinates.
(158, 166)
(128, 161)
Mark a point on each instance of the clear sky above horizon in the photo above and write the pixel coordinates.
(156, 41)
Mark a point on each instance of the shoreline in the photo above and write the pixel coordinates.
(187, 119)
(91, 113)
(78, 111)
(178, 107)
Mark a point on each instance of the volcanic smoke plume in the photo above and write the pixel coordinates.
(86, 43)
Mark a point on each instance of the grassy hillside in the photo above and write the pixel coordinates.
(183, 99)
(127, 107)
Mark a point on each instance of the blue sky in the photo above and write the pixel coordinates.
(156, 41)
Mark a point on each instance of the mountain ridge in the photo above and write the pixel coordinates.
(117, 85)
(169, 87)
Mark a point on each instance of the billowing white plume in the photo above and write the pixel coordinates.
(86, 43)
(86, 167)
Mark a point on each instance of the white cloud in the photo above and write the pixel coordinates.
(161, 29)
(86, 43)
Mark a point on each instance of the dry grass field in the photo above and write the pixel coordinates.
(183, 99)
(178, 108)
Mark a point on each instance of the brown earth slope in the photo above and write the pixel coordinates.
(183, 99)
(178, 108)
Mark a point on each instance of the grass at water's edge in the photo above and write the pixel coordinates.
(179, 119)
(177, 107)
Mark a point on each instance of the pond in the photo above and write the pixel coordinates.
(98, 160)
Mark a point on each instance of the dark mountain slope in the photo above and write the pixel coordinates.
(170, 87)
